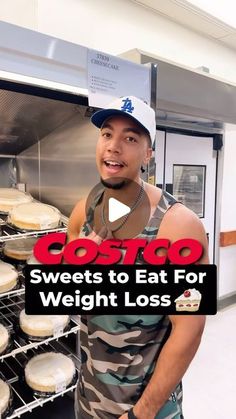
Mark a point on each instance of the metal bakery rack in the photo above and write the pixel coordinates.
(12, 362)
(8, 233)
(9, 309)
(12, 370)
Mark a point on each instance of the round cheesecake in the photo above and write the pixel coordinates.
(9, 197)
(49, 372)
(8, 277)
(42, 326)
(4, 338)
(34, 216)
(20, 249)
(5, 396)
(33, 261)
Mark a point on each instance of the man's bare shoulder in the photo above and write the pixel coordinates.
(80, 206)
(77, 219)
(154, 194)
(180, 222)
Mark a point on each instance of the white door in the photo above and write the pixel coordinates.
(186, 167)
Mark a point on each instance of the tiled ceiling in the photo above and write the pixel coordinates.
(184, 13)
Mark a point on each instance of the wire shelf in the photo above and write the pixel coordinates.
(19, 290)
(12, 372)
(15, 292)
(21, 349)
(9, 233)
(9, 309)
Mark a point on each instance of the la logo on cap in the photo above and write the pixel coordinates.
(127, 107)
(116, 210)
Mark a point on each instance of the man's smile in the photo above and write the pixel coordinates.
(113, 166)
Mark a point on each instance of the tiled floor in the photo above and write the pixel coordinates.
(210, 382)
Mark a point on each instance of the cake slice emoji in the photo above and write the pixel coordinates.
(189, 300)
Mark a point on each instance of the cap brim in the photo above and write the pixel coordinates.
(99, 117)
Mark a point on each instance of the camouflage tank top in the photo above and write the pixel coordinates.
(119, 352)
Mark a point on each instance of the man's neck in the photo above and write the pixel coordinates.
(127, 194)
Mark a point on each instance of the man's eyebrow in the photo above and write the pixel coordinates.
(134, 130)
(106, 125)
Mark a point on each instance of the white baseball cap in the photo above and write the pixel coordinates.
(130, 106)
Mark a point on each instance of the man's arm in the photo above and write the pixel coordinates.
(174, 359)
(185, 337)
(76, 220)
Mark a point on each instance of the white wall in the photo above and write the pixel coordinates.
(227, 271)
(116, 26)
(227, 262)
(228, 205)
(20, 12)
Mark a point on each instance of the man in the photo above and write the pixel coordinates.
(132, 366)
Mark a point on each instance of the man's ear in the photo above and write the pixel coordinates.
(148, 156)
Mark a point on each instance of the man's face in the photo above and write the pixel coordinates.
(122, 148)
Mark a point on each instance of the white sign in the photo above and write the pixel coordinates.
(110, 77)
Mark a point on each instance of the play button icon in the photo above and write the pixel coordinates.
(120, 207)
(116, 210)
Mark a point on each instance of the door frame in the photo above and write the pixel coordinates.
(217, 145)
